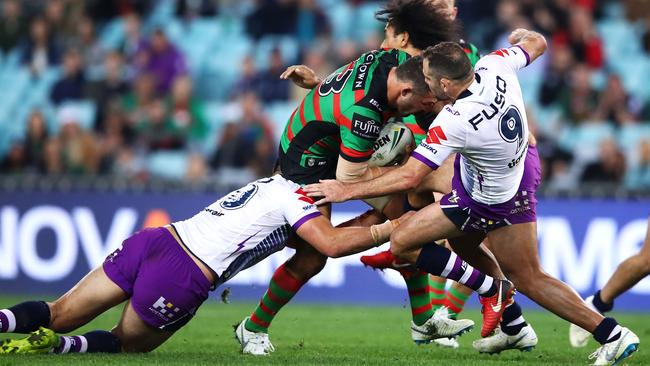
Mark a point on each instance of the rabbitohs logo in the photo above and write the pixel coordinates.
(238, 198)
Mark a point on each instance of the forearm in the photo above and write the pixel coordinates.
(393, 181)
(348, 240)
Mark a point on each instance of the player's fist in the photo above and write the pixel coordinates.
(302, 76)
(517, 35)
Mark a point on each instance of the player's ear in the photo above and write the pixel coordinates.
(404, 39)
(406, 91)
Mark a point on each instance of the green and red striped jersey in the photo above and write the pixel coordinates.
(344, 114)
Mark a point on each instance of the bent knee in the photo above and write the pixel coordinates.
(60, 320)
(397, 241)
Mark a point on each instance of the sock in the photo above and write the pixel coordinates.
(282, 288)
(25, 317)
(436, 291)
(417, 284)
(607, 331)
(455, 301)
(440, 261)
(513, 319)
(600, 305)
(91, 342)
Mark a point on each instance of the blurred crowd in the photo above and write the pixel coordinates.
(148, 96)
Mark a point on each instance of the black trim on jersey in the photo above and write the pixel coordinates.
(466, 93)
(354, 159)
(378, 90)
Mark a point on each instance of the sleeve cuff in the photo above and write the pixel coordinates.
(424, 160)
(304, 219)
(525, 54)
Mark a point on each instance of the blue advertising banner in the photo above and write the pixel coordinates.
(48, 241)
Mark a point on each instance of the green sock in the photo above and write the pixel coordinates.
(418, 286)
(455, 301)
(282, 288)
(437, 291)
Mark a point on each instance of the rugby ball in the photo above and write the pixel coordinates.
(394, 142)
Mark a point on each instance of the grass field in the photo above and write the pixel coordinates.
(334, 335)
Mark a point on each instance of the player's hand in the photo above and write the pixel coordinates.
(302, 76)
(517, 35)
(330, 190)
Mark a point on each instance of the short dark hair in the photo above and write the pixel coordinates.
(425, 24)
(448, 60)
(411, 71)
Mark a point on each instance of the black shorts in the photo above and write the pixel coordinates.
(289, 166)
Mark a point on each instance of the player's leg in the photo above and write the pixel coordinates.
(413, 241)
(515, 247)
(627, 274)
(93, 295)
(135, 335)
(286, 281)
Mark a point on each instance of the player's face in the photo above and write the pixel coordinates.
(391, 39)
(409, 102)
(434, 84)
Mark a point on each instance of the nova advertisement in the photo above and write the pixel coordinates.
(48, 241)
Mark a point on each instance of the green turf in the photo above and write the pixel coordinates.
(334, 335)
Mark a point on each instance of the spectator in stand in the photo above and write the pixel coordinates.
(557, 76)
(610, 168)
(161, 59)
(12, 25)
(582, 38)
(253, 126)
(78, 150)
(110, 88)
(35, 141)
(639, 174)
(271, 17)
(197, 171)
(231, 152)
(92, 51)
(615, 104)
(579, 99)
(73, 83)
(271, 87)
(311, 22)
(41, 51)
(249, 78)
(185, 111)
(115, 136)
(15, 161)
(156, 131)
(135, 103)
(190, 9)
(133, 39)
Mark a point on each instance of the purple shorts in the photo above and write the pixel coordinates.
(166, 287)
(470, 216)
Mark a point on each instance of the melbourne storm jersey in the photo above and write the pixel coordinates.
(419, 123)
(343, 114)
(487, 125)
(247, 225)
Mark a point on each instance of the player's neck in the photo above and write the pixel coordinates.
(412, 51)
(459, 88)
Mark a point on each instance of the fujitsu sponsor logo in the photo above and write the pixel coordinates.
(365, 127)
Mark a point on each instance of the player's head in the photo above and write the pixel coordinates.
(415, 23)
(446, 69)
(447, 7)
(410, 92)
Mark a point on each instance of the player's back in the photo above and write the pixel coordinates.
(246, 225)
(496, 126)
(345, 108)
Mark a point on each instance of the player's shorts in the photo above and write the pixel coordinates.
(470, 216)
(165, 285)
(316, 168)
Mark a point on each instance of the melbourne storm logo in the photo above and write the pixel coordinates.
(238, 198)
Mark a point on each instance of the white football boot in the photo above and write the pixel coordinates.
(253, 343)
(439, 326)
(614, 352)
(579, 337)
(447, 342)
(499, 341)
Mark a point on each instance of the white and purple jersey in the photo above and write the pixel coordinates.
(247, 225)
(487, 126)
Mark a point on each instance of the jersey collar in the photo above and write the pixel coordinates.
(474, 88)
